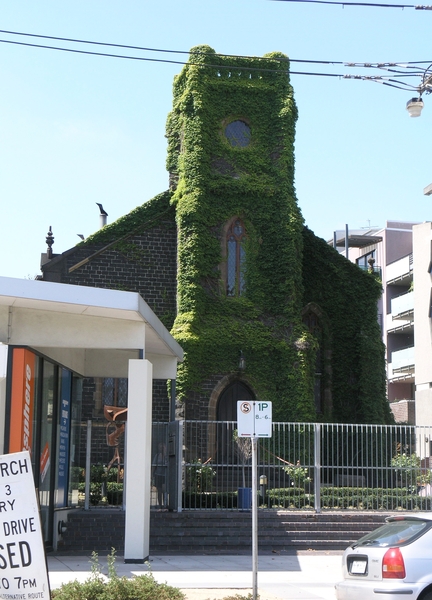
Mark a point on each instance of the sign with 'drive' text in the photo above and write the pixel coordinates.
(254, 418)
(23, 572)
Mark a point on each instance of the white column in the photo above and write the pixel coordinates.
(3, 373)
(138, 461)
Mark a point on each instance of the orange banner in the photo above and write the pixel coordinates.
(22, 400)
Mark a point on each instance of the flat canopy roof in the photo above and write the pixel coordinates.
(92, 331)
(359, 241)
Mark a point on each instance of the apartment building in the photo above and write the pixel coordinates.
(398, 253)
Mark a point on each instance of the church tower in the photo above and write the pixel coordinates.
(239, 294)
(262, 307)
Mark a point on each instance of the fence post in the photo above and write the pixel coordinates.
(88, 466)
(180, 465)
(317, 467)
(175, 455)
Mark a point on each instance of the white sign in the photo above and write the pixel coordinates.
(254, 419)
(23, 572)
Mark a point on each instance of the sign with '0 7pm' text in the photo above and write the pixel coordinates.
(254, 418)
(23, 572)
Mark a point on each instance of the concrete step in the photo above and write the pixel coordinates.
(218, 531)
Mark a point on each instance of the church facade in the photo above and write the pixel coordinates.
(262, 307)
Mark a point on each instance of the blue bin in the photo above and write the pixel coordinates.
(244, 499)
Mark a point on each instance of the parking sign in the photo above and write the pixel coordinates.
(254, 418)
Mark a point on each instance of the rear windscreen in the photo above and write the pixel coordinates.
(395, 533)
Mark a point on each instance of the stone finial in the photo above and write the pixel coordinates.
(50, 242)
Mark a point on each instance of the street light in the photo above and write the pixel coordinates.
(415, 105)
(428, 190)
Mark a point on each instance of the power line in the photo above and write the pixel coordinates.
(188, 52)
(374, 4)
(145, 49)
(74, 50)
(394, 68)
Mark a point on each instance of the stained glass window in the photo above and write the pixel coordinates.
(235, 258)
(238, 134)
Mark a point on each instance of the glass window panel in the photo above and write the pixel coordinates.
(122, 392)
(35, 413)
(238, 134)
(108, 391)
(231, 267)
(242, 265)
(235, 258)
(238, 229)
(46, 446)
(75, 441)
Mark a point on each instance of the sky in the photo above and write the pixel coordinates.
(78, 129)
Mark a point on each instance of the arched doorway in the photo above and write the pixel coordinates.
(226, 415)
(227, 403)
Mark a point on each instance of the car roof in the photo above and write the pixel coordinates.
(423, 516)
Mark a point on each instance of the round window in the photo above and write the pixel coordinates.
(238, 133)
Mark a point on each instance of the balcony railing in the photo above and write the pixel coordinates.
(402, 307)
(399, 269)
(399, 325)
(376, 269)
(402, 362)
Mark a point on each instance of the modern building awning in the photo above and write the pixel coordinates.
(92, 331)
(358, 241)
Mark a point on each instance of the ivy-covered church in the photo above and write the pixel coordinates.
(261, 306)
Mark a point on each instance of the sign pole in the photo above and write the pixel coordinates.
(254, 420)
(254, 440)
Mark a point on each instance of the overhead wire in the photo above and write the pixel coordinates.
(373, 4)
(394, 68)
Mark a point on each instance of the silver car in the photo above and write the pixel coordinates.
(392, 562)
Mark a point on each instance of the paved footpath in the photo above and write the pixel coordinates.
(304, 576)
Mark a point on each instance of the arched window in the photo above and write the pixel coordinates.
(235, 254)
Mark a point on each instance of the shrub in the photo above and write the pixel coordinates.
(199, 476)
(210, 500)
(299, 475)
(114, 492)
(142, 587)
(293, 497)
(409, 470)
(95, 492)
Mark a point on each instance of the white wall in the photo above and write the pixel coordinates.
(3, 370)
(422, 237)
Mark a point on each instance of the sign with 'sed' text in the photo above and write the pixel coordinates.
(23, 572)
(254, 418)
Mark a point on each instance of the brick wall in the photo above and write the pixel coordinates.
(144, 263)
(404, 411)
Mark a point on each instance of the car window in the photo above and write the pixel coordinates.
(395, 533)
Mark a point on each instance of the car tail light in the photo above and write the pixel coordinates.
(393, 566)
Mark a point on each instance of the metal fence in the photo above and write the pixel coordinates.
(203, 465)
(98, 469)
(308, 466)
